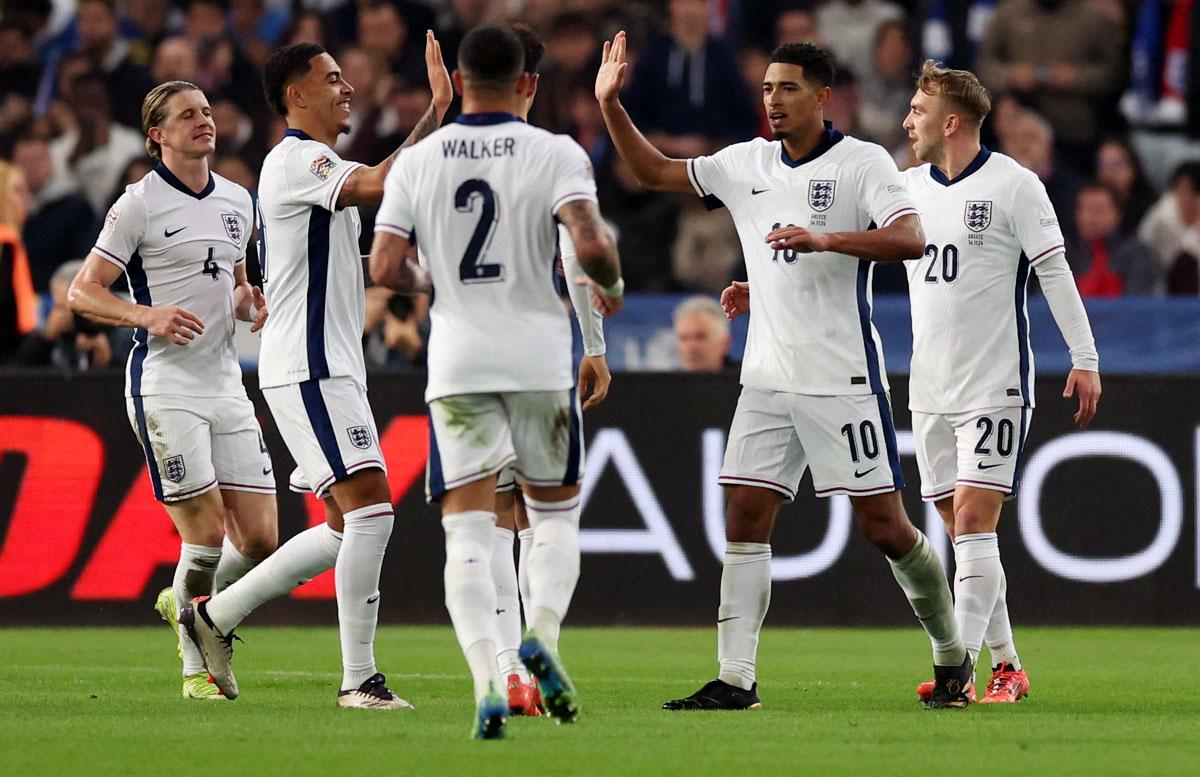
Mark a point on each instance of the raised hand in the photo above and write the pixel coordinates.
(798, 239)
(172, 322)
(735, 299)
(1088, 385)
(613, 63)
(439, 78)
(260, 309)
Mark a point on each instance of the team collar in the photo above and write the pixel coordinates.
(174, 181)
(483, 119)
(829, 138)
(976, 163)
(292, 132)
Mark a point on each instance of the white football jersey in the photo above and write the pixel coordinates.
(312, 268)
(810, 320)
(179, 247)
(479, 198)
(983, 231)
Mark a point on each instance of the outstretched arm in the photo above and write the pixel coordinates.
(365, 185)
(653, 170)
(899, 241)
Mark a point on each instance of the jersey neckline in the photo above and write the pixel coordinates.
(829, 138)
(976, 163)
(292, 132)
(484, 119)
(173, 180)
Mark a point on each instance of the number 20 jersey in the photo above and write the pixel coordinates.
(179, 247)
(479, 199)
(984, 230)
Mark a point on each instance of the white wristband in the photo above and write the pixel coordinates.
(616, 290)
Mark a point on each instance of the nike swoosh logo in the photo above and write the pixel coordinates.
(969, 577)
(754, 191)
(858, 474)
(373, 599)
(172, 234)
(981, 465)
(730, 618)
(266, 470)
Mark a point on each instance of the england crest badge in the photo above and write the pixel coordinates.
(820, 194)
(174, 469)
(233, 226)
(360, 436)
(978, 215)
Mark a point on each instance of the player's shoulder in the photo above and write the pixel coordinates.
(233, 191)
(854, 151)
(138, 195)
(749, 149)
(1003, 166)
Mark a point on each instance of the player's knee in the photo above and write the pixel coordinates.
(749, 520)
(976, 516)
(259, 547)
(887, 530)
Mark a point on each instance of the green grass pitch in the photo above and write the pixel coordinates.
(836, 702)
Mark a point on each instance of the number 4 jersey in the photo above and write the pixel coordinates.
(479, 199)
(179, 247)
(984, 230)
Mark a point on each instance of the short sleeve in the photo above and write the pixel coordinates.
(882, 189)
(1034, 221)
(573, 175)
(123, 230)
(395, 214)
(316, 175)
(710, 176)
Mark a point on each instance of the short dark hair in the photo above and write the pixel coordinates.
(491, 57)
(1189, 170)
(534, 48)
(814, 60)
(283, 67)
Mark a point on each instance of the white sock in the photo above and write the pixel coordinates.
(553, 564)
(471, 593)
(999, 635)
(232, 567)
(193, 577)
(745, 596)
(508, 605)
(294, 563)
(976, 583)
(920, 574)
(524, 545)
(356, 576)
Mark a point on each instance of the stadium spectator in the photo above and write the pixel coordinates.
(257, 28)
(850, 28)
(396, 328)
(383, 36)
(94, 148)
(798, 24)
(645, 223)
(61, 224)
(223, 69)
(887, 88)
(1118, 166)
(67, 341)
(18, 303)
(1063, 56)
(1172, 230)
(101, 42)
(1029, 139)
(306, 27)
(706, 249)
(1106, 260)
(952, 30)
(844, 103)
(571, 50)
(20, 73)
(145, 25)
(702, 337)
(175, 59)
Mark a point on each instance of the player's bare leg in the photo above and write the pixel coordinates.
(553, 563)
(917, 569)
(251, 534)
(469, 518)
(522, 692)
(745, 596)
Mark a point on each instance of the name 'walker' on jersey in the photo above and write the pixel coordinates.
(478, 197)
(810, 326)
(983, 231)
(179, 247)
(312, 268)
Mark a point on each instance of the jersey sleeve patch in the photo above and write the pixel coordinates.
(322, 167)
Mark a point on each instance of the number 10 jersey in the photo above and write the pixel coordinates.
(479, 198)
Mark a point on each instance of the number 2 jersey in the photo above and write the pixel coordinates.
(984, 230)
(479, 198)
(179, 247)
(810, 313)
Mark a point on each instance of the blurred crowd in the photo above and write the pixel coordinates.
(1100, 98)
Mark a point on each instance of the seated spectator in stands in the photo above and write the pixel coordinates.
(686, 92)
(371, 116)
(306, 27)
(100, 40)
(1107, 261)
(798, 24)
(1169, 228)
(850, 28)
(223, 70)
(702, 337)
(1064, 58)
(706, 249)
(61, 224)
(94, 148)
(145, 25)
(886, 90)
(66, 340)
(571, 50)
(843, 106)
(1118, 166)
(1029, 139)
(645, 224)
(175, 59)
(257, 28)
(18, 303)
(20, 73)
(384, 37)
